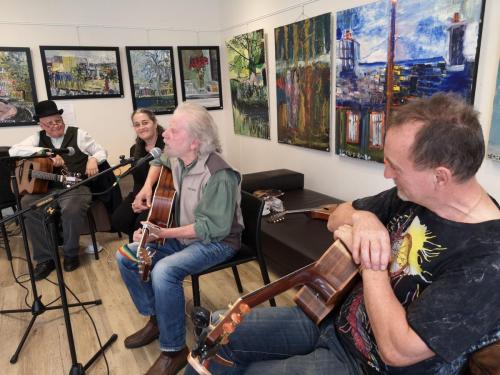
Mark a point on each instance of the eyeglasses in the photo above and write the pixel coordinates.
(52, 122)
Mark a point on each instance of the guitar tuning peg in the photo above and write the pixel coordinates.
(230, 306)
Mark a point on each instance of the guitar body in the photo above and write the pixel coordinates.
(27, 184)
(160, 214)
(324, 283)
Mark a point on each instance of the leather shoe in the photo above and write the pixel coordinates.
(71, 263)
(144, 336)
(43, 269)
(169, 363)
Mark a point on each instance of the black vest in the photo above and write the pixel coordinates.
(76, 163)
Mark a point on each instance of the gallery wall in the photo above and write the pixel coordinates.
(197, 22)
(326, 172)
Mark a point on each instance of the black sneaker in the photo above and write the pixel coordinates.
(71, 263)
(43, 269)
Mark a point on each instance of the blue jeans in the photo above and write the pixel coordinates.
(284, 341)
(163, 295)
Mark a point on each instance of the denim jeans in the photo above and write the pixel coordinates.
(163, 295)
(284, 341)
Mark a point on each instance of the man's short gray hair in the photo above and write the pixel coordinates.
(202, 127)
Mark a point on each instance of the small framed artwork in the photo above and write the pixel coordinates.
(152, 78)
(200, 76)
(82, 72)
(17, 87)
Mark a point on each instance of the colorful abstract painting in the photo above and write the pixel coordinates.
(17, 87)
(152, 78)
(200, 76)
(494, 141)
(391, 51)
(82, 72)
(248, 82)
(303, 68)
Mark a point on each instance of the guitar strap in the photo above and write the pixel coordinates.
(128, 253)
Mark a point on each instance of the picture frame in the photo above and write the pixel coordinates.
(81, 72)
(201, 76)
(152, 78)
(17, 87)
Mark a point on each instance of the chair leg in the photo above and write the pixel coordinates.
(196, 290)
(92, 230)
(120, 236)
(265, 278)
(5, 239)
(237, 279)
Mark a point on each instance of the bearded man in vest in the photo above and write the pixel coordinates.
(207, 231)
(88, 154)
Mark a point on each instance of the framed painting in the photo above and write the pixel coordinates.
(200, 76)
(82, 72)
(303, 69)
(17, 87)
(494, 139)
(389, 52)
(249, 91)
(152, 78)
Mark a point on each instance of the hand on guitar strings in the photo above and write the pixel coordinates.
(58, 161)
(142, 201)
(153, 231)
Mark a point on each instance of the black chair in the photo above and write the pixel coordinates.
(251, 208)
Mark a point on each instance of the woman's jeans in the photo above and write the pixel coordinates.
(284, 341)
(163, 295)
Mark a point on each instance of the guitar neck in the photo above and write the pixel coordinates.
(46, 176)
(252, 299)
(302, 210)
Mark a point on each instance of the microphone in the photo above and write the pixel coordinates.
(153, 154)
(70, 151)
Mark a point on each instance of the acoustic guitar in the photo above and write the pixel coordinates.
(33, 176)
(160, 214)
(324, 283)
(321, 212)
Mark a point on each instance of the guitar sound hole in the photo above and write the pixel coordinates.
(29, 173)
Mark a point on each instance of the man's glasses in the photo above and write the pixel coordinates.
(53, 122)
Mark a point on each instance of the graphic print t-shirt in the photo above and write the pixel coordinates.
(446, 275)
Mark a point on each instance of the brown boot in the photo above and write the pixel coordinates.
(169, 363)
(144, 336)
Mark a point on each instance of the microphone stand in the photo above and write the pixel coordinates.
(38, 307)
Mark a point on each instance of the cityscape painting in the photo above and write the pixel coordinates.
(152, 78)
(200, 76)
(248, 82)
(391, 51)
(494, 140)
(303, 69)
(81, 72)
(17, 87)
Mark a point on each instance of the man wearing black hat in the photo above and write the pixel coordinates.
(88, 154)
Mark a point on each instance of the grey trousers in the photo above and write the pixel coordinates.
(73, 207)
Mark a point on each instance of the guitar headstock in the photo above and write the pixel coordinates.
(214, 336)
(71, 179)
(276, 217)
(145, 257)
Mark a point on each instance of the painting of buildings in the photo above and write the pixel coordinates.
(494, 140)
(248, 82)
(81, 72)
(391, 51)
(303, 68)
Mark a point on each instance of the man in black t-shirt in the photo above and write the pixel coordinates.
(429, 251)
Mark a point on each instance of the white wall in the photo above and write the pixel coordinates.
(31, 23)
(342, 177)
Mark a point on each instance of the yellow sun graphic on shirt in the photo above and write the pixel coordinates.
(415, 248)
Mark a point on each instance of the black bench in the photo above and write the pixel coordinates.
(297, 240)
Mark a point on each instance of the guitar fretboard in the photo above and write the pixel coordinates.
(46, 176)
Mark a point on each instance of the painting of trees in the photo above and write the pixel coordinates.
(249, 93)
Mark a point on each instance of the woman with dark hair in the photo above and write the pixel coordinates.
(148, 133)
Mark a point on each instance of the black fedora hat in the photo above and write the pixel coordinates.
(46, 108)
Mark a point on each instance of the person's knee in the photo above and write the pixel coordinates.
(164, 272)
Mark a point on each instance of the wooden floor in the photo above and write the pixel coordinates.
(46, 351)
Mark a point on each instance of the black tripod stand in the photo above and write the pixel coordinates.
(38, 307)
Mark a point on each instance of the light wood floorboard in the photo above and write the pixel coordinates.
(46, 351)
